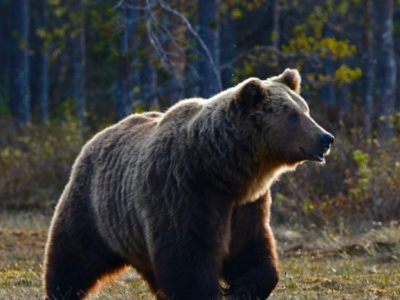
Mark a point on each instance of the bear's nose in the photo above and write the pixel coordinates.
(326, 141)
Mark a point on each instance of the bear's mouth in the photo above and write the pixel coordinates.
(316, 157)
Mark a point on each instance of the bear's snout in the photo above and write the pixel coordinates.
(326, 142)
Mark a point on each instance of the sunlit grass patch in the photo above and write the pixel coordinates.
(21, 254)
(324, 264)
(24, 220)
(318, 264)
(316, 276)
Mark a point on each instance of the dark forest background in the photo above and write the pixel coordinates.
(69, 68)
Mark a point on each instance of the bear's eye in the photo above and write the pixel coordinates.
(293, 118)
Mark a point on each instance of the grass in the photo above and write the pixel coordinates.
(317, 264)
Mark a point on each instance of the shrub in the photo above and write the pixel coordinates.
(360, 182)
(35, 162)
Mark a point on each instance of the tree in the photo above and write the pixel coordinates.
(19, 62)
(39, 61)
(78, 60)
(276, 31)
(191, 48)
(125, 84)
(148, 76)
(368, 67)
(176, 49)
(4, 56)
(386, 67)
(228, 48)
(210, 79)
(328, 91)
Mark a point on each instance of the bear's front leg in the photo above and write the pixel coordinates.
(251, 270)
(187, 257)
(187, 276)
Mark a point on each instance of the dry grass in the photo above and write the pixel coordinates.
(314, 265)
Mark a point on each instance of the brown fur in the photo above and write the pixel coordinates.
(183, 197)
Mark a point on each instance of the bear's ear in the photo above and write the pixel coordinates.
(291, 78)
(251, 91)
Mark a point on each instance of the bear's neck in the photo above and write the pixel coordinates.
(229, 163)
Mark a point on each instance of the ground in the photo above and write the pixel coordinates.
(315, 264)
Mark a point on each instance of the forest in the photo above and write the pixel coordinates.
(70, 68)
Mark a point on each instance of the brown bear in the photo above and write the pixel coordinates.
(183, 197)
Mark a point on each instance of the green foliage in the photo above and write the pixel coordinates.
(360, 181)
(359, 188)
(35, 162)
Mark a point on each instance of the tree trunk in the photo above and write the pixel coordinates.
(135, 46)
(228, 48)
(19, 61)
(191, 71)
(343, 100)
(210, 79)
(177, 57)
(328, 91)
(176, 85)
(397, 52)
(276, 12)
(125, 74)
(78, 61)
(4, 57)
(386, 67)
(149, 76)
(368, 96)
(39, 62)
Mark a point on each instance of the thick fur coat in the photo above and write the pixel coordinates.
(183, 197)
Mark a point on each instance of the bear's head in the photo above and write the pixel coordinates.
(278, 120)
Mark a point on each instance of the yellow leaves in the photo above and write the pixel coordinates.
(250, 5)
(245, 6)
(54, 2)
(343, 7)
(236, 14)
(41, 32)
(60, 11)
(60, 32)
(326, 47)
(335, 48)
(316, 22)
(345, 74)
(23, 44)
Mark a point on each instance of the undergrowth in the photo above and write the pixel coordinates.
(35, 162)
(360, 180)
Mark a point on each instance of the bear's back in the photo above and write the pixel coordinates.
(128, 133)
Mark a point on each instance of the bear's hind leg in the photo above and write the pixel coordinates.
(75, 260)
